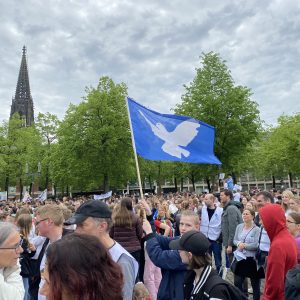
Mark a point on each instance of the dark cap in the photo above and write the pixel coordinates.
(192, 241)
(92, 208)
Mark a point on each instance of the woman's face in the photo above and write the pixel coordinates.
(293, 228)
(285, 198)
(247, 217)
(244, 201)
(292, 205)
(249, 205)
(161, 211)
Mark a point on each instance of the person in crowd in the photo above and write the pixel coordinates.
(94, 218)
(211, 217)
(78, 267)
(286, 196)
(127, 228)
(24, 224)
(11, 285)
(293, 225)
(49, 223)
(231, 217)
(172, 268)
(162, 223)
(282, 254)
(193, 249)
(249, 205)
(294, 204)
(262, 199)
(246, 240)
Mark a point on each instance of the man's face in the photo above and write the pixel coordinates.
(188, 223)
(260, 201)
(9, 257)
(224, 198)
(88, 226)
(42, 223)
(208, 200)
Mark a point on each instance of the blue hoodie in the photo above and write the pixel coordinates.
(172, 268)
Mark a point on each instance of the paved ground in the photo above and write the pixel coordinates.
(229, 278)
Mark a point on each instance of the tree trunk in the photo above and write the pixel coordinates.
(67, 190)
(47, 178)
(30, 188)
(175, 183)
(21, 189)
(54, 188)
(6, 185)
(208, 184)
(291, 179)
(273, 182)
(150, 183)
(106, 183)
(193, 181)
(159, 180)
(233, 177)
(181, 184)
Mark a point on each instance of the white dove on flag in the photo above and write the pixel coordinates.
(182, 135)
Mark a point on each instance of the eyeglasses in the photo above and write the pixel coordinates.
(15, 248)
(38, 222)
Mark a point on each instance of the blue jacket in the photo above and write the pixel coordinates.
(172, 268)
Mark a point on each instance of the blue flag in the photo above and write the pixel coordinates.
(171, 137)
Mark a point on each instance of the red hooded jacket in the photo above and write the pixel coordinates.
(283, 251)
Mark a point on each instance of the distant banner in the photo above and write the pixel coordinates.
(26, 198)
(3, 196)
(103, 196)
(43, 196)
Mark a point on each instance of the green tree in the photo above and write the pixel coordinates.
(94, 142)
(47, 125)
(213, 98)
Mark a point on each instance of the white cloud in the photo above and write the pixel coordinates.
(152, 46)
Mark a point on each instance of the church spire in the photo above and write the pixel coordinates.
(22, 103)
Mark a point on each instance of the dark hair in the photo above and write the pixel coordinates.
(228, 193)
(80, 267)
(198, 262)
(267, 196)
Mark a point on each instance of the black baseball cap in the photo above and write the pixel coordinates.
(92, 208)
(192, 241)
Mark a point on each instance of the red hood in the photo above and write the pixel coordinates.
(273, 218)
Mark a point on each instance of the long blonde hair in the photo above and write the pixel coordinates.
(24, 223)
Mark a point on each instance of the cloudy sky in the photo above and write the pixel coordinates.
(152, 46)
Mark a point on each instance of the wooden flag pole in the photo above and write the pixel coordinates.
(134, 151)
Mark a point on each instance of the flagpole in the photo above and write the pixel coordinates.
(134, 151)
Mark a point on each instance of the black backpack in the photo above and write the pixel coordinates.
(234, 292)
(292, 284)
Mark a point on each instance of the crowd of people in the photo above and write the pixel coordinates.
(174, 246)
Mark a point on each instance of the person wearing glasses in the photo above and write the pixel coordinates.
(49, 223)
(11, 284)
(293, 225)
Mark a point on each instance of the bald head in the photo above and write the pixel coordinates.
(209, 200)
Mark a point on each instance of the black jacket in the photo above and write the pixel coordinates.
(220, 291)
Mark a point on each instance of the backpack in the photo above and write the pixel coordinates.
(292, 284)
(234, 292)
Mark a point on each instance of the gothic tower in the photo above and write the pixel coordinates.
(22, 102)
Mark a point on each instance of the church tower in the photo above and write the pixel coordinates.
(22, 102)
